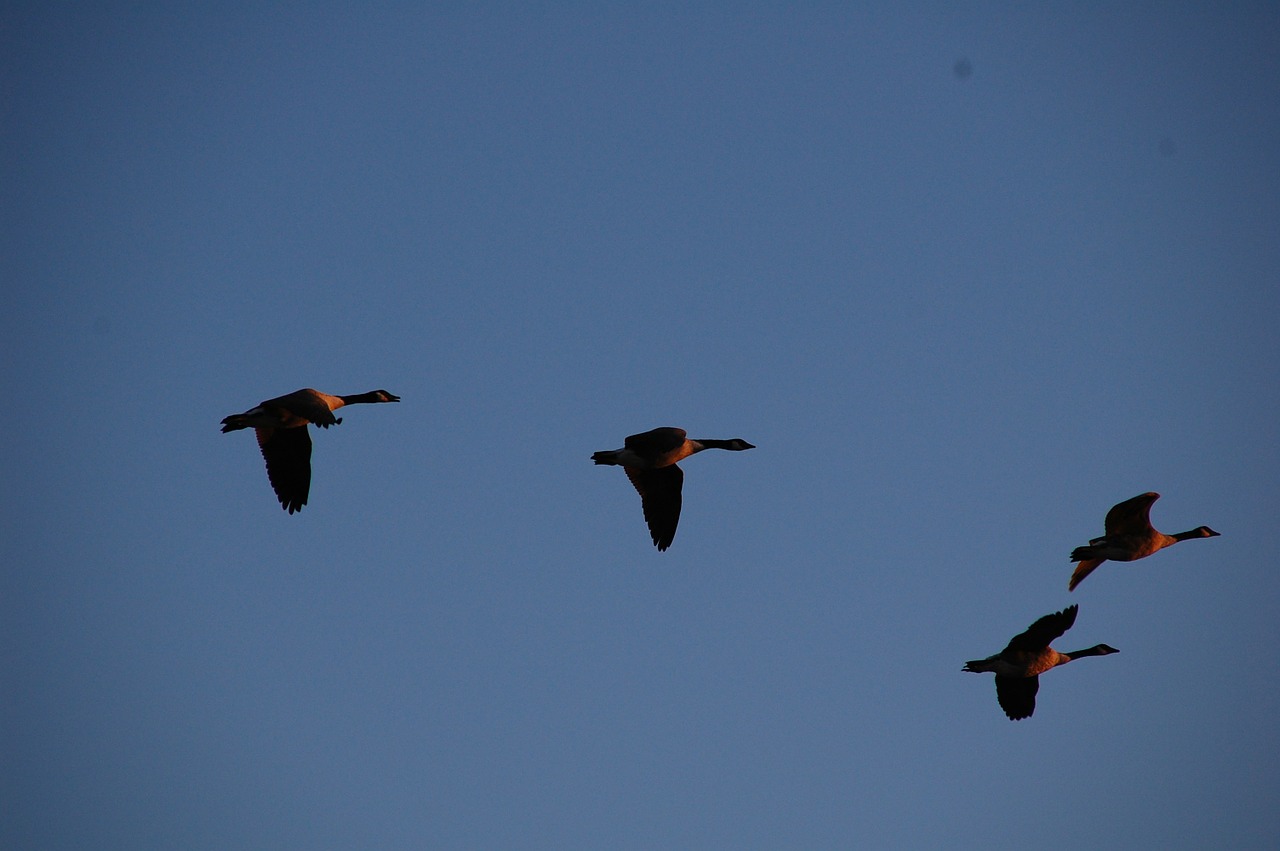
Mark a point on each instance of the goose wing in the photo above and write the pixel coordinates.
(310, 405)
(1017, 696)
(1042, 633)
(1083, 569)
(658, 441)
(287, 452)
(659, 491)
(1130, 516)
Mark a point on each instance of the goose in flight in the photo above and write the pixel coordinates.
(281, 426)
(649, 460)
(1129, 536)
(1018, 667)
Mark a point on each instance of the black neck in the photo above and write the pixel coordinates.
(359, 398)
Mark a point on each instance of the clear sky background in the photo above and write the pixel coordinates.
(960, 315)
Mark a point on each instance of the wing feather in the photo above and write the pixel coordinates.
(1083, 569)
(1130, 516)
(310, 405)
(287, 452)
(1042, 633)
(660, 496)
(657, 441)
(1017, 696)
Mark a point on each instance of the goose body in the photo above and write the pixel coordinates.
(649, 460)
(281, 427)
(1018, 667)
(1129, 536)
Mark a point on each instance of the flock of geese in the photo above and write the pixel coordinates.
(650, 461)
(1128, 536)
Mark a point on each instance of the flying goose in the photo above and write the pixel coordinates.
(281, 426)
(649, 460)
(1129, 537)
(1018, 666)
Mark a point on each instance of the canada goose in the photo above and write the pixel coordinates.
(281, 425)
(1129, 537)
(1018, 666)
(649, 460)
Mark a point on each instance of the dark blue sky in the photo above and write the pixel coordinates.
(960, 317)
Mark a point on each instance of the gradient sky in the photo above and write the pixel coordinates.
(960, 315)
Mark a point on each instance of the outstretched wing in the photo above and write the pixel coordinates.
(1132, 515)
(287, 452)
(1017, 695)
(1083, 569)
(659, 491)
(1042, 633)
